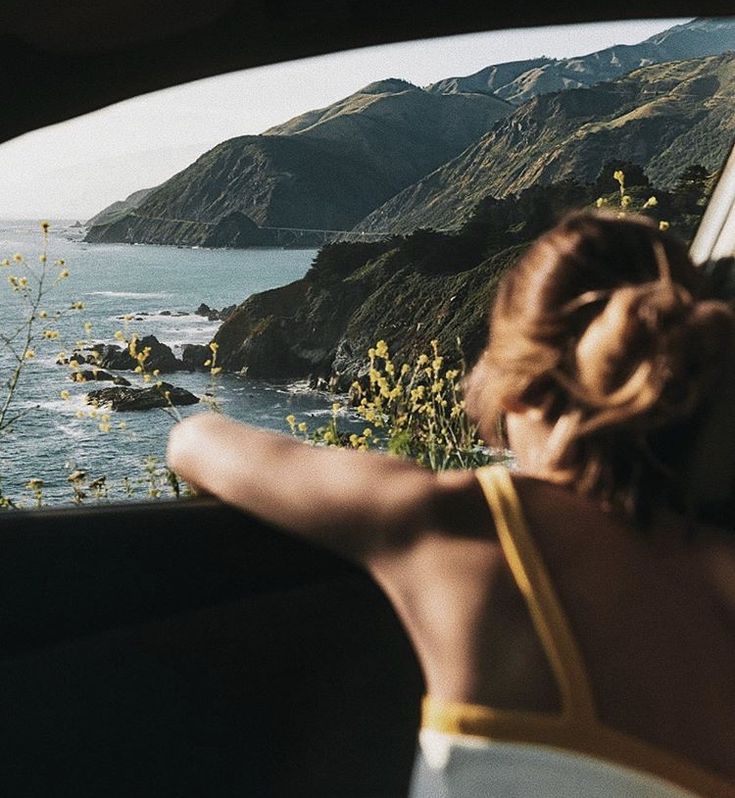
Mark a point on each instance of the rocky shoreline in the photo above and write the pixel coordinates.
(104, 358)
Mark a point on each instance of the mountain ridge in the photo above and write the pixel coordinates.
(663, 117)
(325, 170)
(695, 39)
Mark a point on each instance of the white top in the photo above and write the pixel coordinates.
(461, 766)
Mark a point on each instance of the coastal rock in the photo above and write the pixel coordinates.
(194, 356)
(213, 314)
(117, 358)
(161, 357)
(153, 396)
(97, 375)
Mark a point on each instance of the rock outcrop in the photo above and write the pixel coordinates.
(97, 375)
(213, 314)
(117, 358)
(148, 398)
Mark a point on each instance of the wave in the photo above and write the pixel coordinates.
(130, 294)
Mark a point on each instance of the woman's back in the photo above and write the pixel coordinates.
(651, 615)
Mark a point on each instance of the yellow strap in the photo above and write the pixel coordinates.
(535, 584)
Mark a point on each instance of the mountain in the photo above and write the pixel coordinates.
(120, 208)
(323, 170)
(519, 81)
(663, 117)
(397, 154)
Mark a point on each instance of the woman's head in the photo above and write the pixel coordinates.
(603, 332)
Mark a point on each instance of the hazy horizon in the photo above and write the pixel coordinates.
(74, 169)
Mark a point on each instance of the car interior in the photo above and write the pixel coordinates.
(182, 648)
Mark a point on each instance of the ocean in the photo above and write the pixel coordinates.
(56, 436)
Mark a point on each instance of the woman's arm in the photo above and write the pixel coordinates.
(358, 504)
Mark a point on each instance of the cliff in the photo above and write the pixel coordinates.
(407, 290)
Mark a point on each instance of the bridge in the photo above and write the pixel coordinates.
(284, 236)
(289, 235)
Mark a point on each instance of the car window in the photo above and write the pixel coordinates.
(312, 247)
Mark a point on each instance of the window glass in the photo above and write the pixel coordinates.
(312, 246)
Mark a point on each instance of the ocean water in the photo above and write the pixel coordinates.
(113, 280)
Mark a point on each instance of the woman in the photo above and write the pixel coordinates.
(574, 620)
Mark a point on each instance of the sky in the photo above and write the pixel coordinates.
(74, 169)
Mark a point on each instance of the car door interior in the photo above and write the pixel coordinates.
(184, 649)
